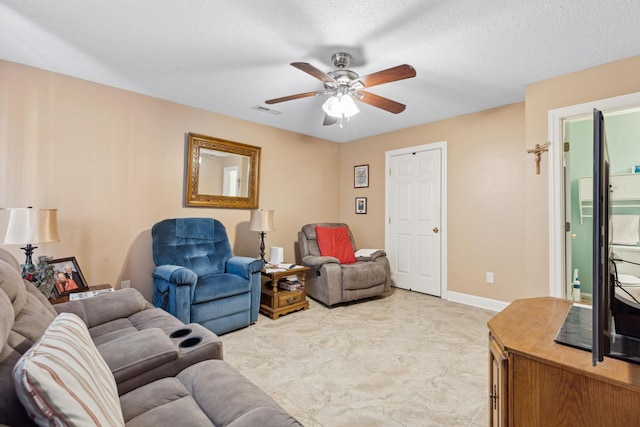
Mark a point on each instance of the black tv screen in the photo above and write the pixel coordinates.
(602, 289)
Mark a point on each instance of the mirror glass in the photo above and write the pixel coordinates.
(221, 173)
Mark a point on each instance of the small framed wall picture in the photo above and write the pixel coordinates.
(361, 205)
(361, 176)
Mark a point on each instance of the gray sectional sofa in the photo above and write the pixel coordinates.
(166, 372)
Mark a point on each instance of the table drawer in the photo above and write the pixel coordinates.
(286, 298)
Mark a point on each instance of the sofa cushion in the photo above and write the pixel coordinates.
(12, 284)
(14, 289)
(63, 380)
(230, 399)
(32, 313)
(106, 307)
(362, 275)
(208, 393)
(335, 242)
(6, 318)
(194, 228)
(7, 257)
(221, 285)
(165, 402)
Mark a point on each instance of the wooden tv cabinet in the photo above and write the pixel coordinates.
(534, 381)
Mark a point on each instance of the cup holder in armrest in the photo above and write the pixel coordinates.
(190, 342)
(180, 333)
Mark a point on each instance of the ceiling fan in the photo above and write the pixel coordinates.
(345, 85)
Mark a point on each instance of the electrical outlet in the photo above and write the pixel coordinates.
(489, 277)
(125, 284)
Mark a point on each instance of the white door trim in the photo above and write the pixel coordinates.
(556, 204)
(442, 145)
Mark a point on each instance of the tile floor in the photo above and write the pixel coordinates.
(406, 360)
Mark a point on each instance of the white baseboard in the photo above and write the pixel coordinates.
(476, 301)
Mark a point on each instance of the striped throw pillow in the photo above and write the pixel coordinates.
(63, 380)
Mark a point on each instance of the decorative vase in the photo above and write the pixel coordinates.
(46, 287)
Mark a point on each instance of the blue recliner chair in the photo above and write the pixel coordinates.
(197, 278)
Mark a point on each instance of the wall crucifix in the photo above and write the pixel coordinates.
(538, 150)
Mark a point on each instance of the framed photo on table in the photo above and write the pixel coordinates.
(68, 276)
(361, 205)
(361, 176)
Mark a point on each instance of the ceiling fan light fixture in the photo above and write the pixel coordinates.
(343, 85)
(331, 106)
(340, 106)
(349, 107)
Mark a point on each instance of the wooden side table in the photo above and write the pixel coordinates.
(274, 302)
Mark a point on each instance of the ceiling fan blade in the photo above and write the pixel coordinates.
(389, 75)
(329, 120)
(313, 71)
(380, 102)
(296, 96)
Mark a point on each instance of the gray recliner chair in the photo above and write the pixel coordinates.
(330, 282)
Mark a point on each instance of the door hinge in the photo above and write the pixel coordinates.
(567, 226)
(566, 147)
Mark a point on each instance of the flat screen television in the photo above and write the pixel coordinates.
(601, 250)
(611, 327)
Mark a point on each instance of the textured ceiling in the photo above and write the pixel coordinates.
(231, 56)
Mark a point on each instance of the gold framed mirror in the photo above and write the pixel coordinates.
(221, 173)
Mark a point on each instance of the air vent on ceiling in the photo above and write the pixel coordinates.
(267, 110)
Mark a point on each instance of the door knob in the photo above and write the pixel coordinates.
(436, 229)
(573, 236)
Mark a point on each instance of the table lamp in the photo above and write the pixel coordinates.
(262, 221)
(29, 226)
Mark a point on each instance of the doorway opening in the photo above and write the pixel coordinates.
(230, 181)
(569, 177)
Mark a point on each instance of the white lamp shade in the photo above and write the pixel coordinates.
(28, 225)
(261, 220)
(332, 107)
(340, 106)
(349, 107)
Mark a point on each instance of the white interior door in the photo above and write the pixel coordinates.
(414, 199)
(230, 181)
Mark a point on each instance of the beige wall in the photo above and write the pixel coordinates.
(112, 162)
(485, 195)
(498, 210)
(606, 81)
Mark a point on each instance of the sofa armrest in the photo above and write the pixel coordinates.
(176, 274)
(317, 261)
(243, 266)
(105, 307)
(194, 344)
(134, 354)
(373, 256)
